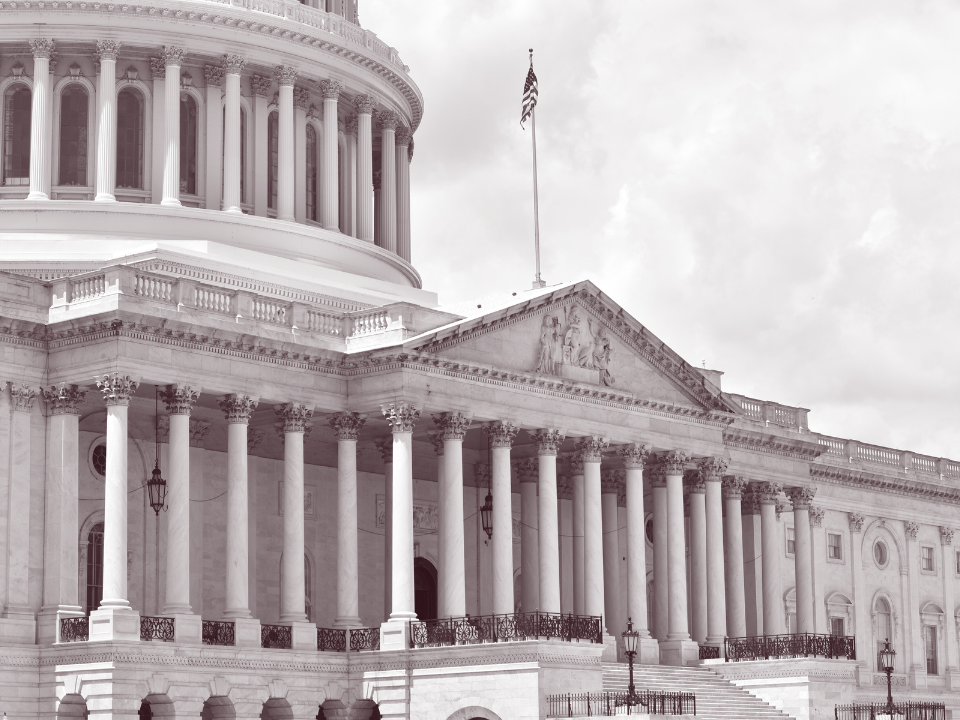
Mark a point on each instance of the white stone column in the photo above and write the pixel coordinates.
(452, 571)
(348, 426)
(348, 178)
(591, 448)
(565, 511)
(661, 586)
(158, 75)
(818, 562)
(61, 519)
(696, 488)
(768, 492)
(388, 179)
(678, 649)
(386, 453)
(733, 488)
(501, 436)
(286, 162)
(801, 497)
(548, 531)
(237, 410)
(215, 178)
(198, 433)
(232, 70)
(610, 483)
(912, 625)
(40, 120)
(107, 51)
(528, 472)
(861, 594)
(172, 60)
(377, 218)
(402, 139)
(330, 165)
(364, 168)
(712, 470)
(261, 86)
(179, 400)
(301, 98)
(18, 519)
(752, 562)
(576, 489)
(294, 417)
(401, 417)
(949, 620)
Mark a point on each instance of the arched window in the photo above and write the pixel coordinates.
(73, 136)
(130, 139)
(273, 142)
(311, 173)
(188, 144)
(16, 136)
(94, 567)
(884, 625)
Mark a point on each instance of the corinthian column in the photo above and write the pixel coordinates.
(712, 470)
(733, 488)
(548, 538)
(330, 166)
(452, 576)
(348, 426)
(950, 620)
(696, 491)
(802, 497)
(348, 178)
(18, 559)
(388, 180)
(661, 589)
(576, 492)
(678, 648)
(402, 139)
(40, 120)
(364, 168)
(770, 551)
(590, 449)
(527, 473)
(501, 436)
(610, 485)
(172, 60)
(294, 417)
(286, 162)
(386, 453)
(232, 68)
(107, 52)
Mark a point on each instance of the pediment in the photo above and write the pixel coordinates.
(576, 334)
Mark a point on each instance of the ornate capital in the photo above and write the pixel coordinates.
(43, 47)
(750, 504)
(198, 432)
(172, 55)
(634, 455)
(330, 89)
(237, 408)
(261, 85)
(285, 75)
(388, 120)
(108, 50)
(400, 416)
(591, 447)
(611, 482)
(816, 517)
(347, 424)
(402, 136)
(179, 399)
(385, 446)
(575, 464)
(694, 482)
(481, 473)
(351, 125)
(364, 104)
(733, 486)
(712, 469)
(767, 492)
(64, 399)
(801, 497)
(528, 470)
(548, 441)
(672, 462)
(254, 438)
(233, 64)
(23, 397)
(452, 425)
(117, 388)
(946, 535)
(856, 522)
(436, 439)
(301, 97)
(501, 433)
(213, 74)
(157, 69)
(294, 416)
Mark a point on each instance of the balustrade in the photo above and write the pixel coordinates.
(331, 640)
(276, 636)
(499, 628)
(709, 652)
(153, 287)
(156, 628)
(270, 311)
(364, 639)
(371, 322)
(324, 323)
(74, 629)
(215, 632)
(87, 288)
(213, 300)
(767, 647)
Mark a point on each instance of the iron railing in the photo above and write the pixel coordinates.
(766, 647)
(709, 652)
(364, 639)
(74, 629)
(331, 640)
(216, 632)
(648, 702)
(499, 628)
(156, 628)
(276, 636)
(901, 711)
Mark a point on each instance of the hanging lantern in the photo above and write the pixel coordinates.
(486, 515)
(156, 485)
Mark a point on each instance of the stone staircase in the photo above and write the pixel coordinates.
(717, 699)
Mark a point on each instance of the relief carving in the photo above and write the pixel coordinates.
(574, 342)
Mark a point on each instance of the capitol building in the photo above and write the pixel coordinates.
(251, 468)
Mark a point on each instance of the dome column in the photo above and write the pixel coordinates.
(388, 180)
(172, 60)
(286, 163)
(261, 156)
(501, 436)
(40, 140)
(107, 52)
(364, 168)
(402, 139)
(232, 69)
(348, 178)
(329, 163)
(216, 178)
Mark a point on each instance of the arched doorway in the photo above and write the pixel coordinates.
(95, 567)
(424, 589)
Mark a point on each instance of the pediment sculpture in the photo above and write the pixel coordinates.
(571, 339)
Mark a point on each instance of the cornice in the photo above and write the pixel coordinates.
(771, 444)
(884, 483)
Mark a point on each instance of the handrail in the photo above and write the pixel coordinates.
(476, 629)
(769, 647)
(607, 704)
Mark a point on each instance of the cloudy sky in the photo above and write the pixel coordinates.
(771, 188)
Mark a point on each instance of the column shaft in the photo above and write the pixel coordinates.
(803, 569)
(286, 162)
(178, 517)
(107, 125)
(772, 624)
(611, 560)
(548, 530)
(300, 97)
(403, 193)
(529, 535)
(40, 121)
(576, 482)
(593, 527)
(733, 548)
(261, 149)
(347, 425)
(364, 169)
(453, 600)
(292, 590)
(949, 620)
(677, 628)
(636, 546)
(349, 180)
(215, 177)
(501, 437)
(914, 630)
(661, 585)
(171, 162)
(329, 170)
(231, 140)
(698, 565)
(716, 585)
(388, 180)
(115, 510)
(402, 569)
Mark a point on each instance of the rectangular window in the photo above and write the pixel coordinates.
(791, 542)
(834, 547)
(930, 637)
(926, 559)
(836, 627)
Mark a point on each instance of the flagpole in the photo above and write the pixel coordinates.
(537, 283)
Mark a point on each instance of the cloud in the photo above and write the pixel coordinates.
(770, 187)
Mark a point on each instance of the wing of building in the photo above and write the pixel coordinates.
(249, 467)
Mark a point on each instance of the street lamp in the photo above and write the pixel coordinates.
(885, 662)
(631, 638)
(486, 515)
(156, 485)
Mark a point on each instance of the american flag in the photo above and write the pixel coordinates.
(529, 93)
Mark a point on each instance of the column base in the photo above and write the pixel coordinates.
(171, 202)
(108, 624)
(679, 653)
(48, 622)
(38, 196)
(395, 634)
(187, 629)
(609, 648)
(303, 636)
(105, 198)
(246, 632)
(648, 651)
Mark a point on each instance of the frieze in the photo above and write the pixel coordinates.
(426, 516)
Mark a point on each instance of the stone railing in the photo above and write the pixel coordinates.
(898, 460)
(771, 413)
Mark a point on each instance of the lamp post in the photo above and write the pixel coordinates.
(156, 485)
(631, 639)
(885, 662)
(486, 515)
